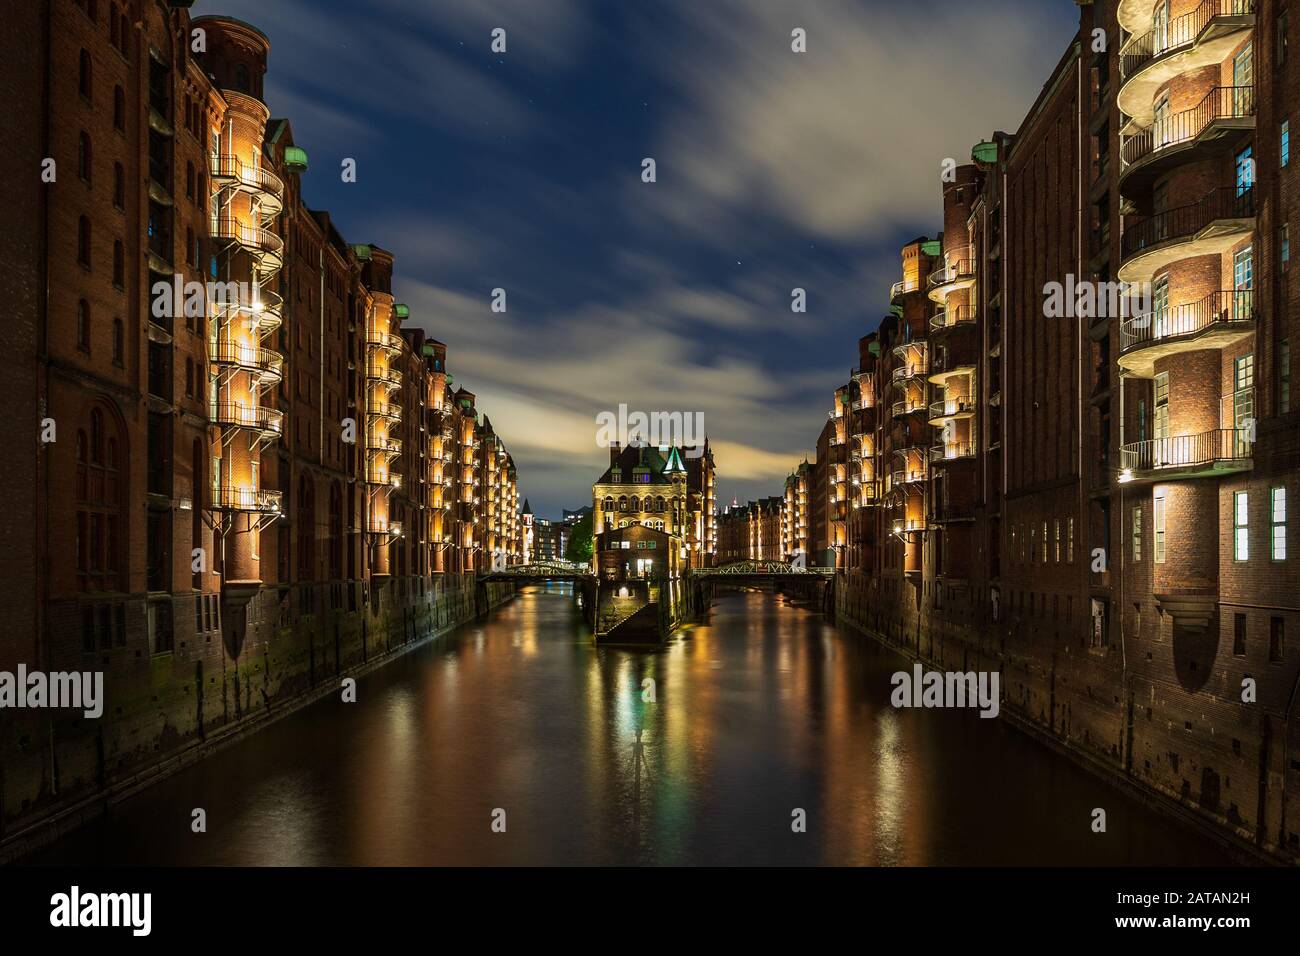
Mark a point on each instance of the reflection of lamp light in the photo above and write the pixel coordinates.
(1126, 475)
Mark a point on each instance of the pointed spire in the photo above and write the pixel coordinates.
(674, 465)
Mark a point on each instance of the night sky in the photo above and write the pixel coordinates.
(522, 171)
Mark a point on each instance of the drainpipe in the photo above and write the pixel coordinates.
(42, 495)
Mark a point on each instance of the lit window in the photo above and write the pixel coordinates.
(1057, 532)
(1279, 524)
(1286, 142)
(1044, 542)
(1240, 527)
(1137, 534)
(1158, 520)
(1070, 543)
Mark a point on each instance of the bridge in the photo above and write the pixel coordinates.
(814, 587)
(764, 570)
(539, 571)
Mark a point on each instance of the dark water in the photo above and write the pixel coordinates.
(761, 710)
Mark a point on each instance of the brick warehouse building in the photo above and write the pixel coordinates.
(243, 498)
(1093, 500)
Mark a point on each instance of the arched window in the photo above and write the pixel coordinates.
(659, 504)
(622, 504)
(123, 33)
(84, 157)
(119, 186)
(189, 180)
(83, 325)
(119, 264)
(336, 532)
(85, 81)
(113, 36)
(635, 504)
(83, 241)
(241, 78)
(119, 345)
(119, 109)
(306, 519)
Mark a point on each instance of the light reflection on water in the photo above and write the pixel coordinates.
(760, 710)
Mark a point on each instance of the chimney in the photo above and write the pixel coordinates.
(614, 449)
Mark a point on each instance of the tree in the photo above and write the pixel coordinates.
(580, 547)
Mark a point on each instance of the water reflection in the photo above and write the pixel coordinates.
(760, 710)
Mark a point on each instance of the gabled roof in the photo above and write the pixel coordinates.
(637, 456)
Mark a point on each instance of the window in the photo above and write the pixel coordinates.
(1284, 376)
(1070, 543)
(1158, 522)
(1239, 635)
(118, 342)
(1284, 245)
(83, 241)
(84, 158)
(1057, 534)
(1245, 170)
(1240, 526)
(119, 264)
(83, 325)
(1160, 423)
(1137, 534)
(84, 78)
(119, 109)
(119, 186)
(1278, 537)
(1286, 142)
(1044, 542)
(189, 180)
(1283, 41)
(1276, 638)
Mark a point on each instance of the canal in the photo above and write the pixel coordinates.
(760, 710)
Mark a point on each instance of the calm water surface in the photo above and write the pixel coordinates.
(760, 710)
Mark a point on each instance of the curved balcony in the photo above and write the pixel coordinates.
(262, 244)
(378, 473)
(908, 406)
(258, 418)
(901, 288)
(267, 364)
(1219, 320)
(963, 316)
(950, 409)
(956, 275)
(381, 445)
(385, 341)
(386, 410)
(951, 368)
(1194, 134)
(263, 311)
(255, 180)
(1204, 37)
(388, 377)
(1209, 227)
(946, 453)
(901, 477)
(1216, 452)
(909, 372)
(253, 500)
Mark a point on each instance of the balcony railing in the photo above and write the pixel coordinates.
(258, 417)
(237, 498)
(1178, 33)
(952, 451)
(951, 318)
(1206, 448)
(254, 177)
(902, 287)
(1217, 308)
(267, 363)
(951, 407)
(910, 370)
(1185, 222)
(387, 410)
(383, 445)
(264, 310)
(258, 241)
(1221, 103)
(907, 406)
(959, 266)
(381, 339)
(386, 376)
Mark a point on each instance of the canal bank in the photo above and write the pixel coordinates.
(861, 609)
(699, 751)
(300, 662)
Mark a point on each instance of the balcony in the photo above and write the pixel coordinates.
(254, 500)
(908, 406)
(262, 244)
(258, 418)
(266, 364)
(947, 453)
(386, 410)
(1209, 454)
(263, 312)
(909, 371)
(255, 180)
(1209, 227)
(949, 512)
(1191, 135)
(1204, 37)
(1217, 321)
(387, 377)
(958, 274)
(901, 288)
(961, 406)
(385, 341)
(961, 316)
(378, 473)
(382, 445)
